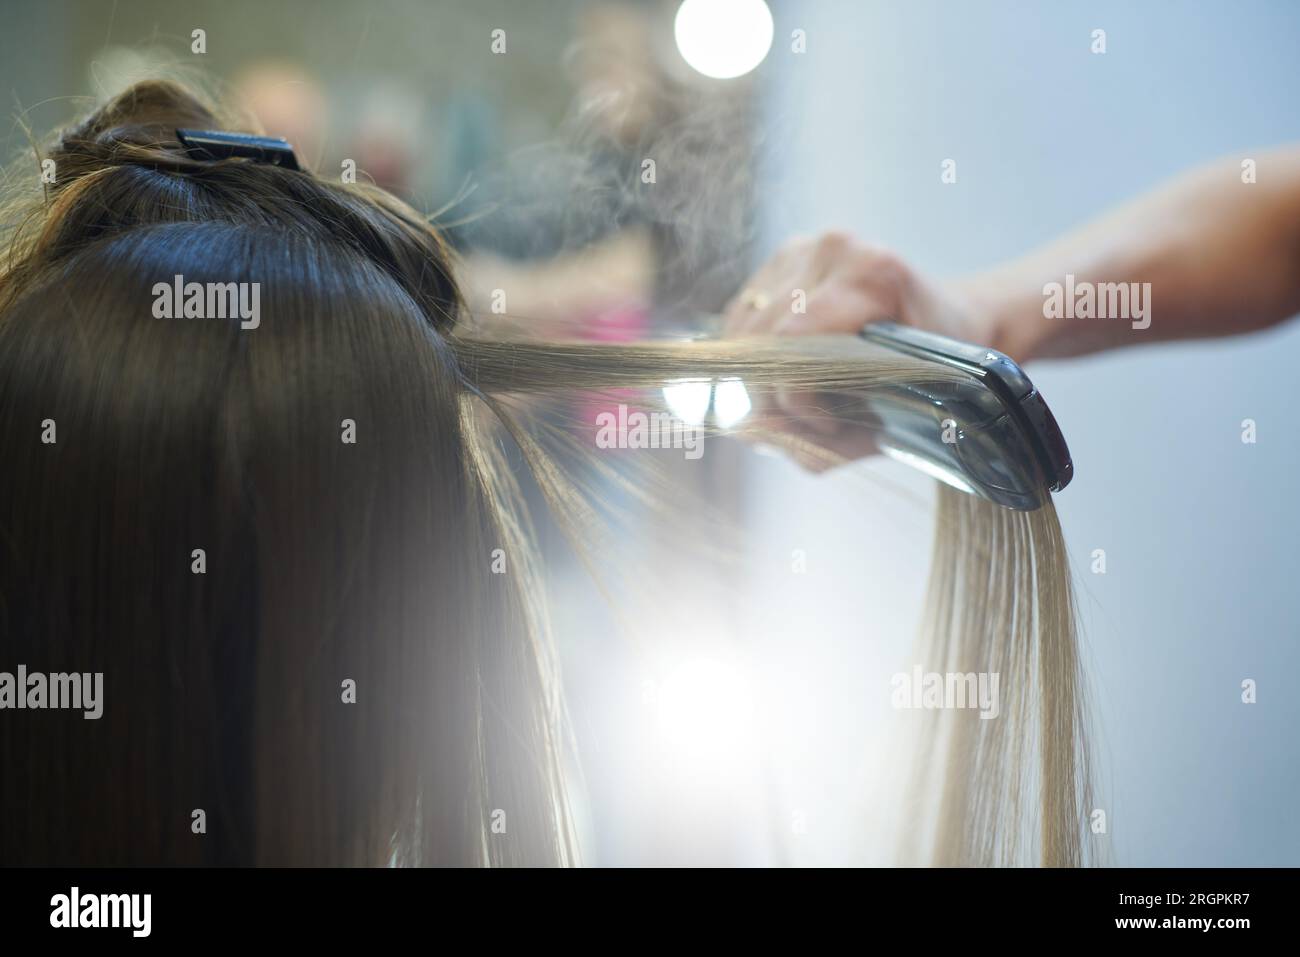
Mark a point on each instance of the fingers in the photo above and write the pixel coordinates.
(762, 313)
(761, 303)
(836, 310)
(812, 449)
(830, 284)
(807, 410)
(820, 431)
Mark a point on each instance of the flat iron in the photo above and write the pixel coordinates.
(990, 434)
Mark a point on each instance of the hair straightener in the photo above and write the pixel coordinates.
(990, 434)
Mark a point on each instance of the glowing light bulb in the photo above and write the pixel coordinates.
(723, 38)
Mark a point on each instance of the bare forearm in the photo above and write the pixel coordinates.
(1221, 256)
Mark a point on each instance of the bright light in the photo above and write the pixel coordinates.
(704, 717)
(723, 38)
(689, 400)
(730, 402)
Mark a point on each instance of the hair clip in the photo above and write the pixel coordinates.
(219, 145)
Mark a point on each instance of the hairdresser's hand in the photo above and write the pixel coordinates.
(835, 284)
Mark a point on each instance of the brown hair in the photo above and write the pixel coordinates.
(326, 562)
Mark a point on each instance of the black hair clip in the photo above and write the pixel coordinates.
(219, 145)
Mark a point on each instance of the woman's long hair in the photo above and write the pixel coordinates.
(302, 564)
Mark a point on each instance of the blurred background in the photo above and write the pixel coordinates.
(749, 722)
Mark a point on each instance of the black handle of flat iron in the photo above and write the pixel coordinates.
(1003, 376)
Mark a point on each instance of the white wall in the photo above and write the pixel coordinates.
(1200, 530)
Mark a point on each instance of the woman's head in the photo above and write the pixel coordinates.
(276, 543)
